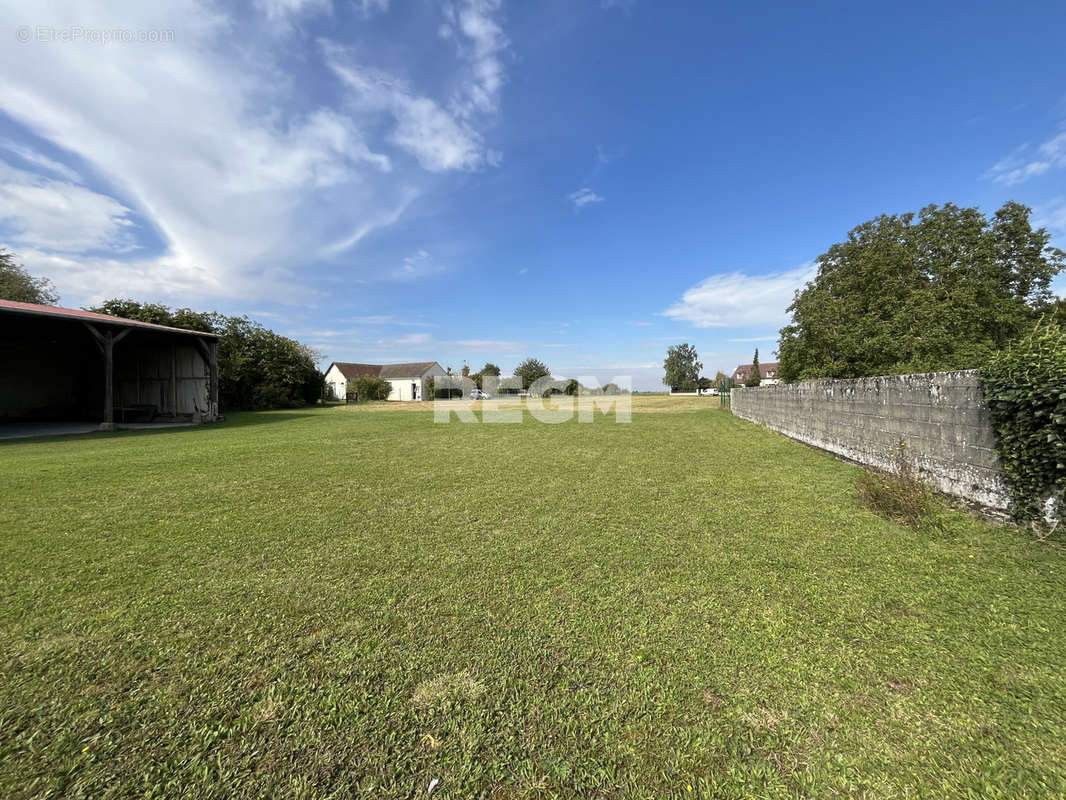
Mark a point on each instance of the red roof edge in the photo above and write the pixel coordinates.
(56, 312)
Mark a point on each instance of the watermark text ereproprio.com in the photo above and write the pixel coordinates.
(71, 34)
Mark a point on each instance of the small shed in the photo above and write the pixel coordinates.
(65, 364)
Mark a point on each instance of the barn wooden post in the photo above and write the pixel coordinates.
(106, 341)
(174, 380)
(212, 366)
(109, 382)
(209, 350)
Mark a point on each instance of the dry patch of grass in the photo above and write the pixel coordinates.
(442, 690)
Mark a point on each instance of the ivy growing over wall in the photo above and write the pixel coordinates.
(1025, 389)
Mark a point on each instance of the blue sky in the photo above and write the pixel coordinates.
(585, 181)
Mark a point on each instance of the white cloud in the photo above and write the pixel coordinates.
(1027, 162)
(390, 319)
(523, 271)
(439, 140)
(754, 339)
(58, 215)
(583, 197)
(31, 156)
(735, 299)
(368, 7)
(92, 280)
(409, 340)
(220, 148)
(417, 265)
(368, 225)
(1051, 215)
(481, 43)
(283, 9)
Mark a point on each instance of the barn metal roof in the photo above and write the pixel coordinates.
(32, 309)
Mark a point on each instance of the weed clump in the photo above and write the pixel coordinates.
(898, 493)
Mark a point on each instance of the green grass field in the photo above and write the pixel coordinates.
(354, 601)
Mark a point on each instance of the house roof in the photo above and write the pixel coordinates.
(353, 371)
(388, 371)
(34, 310)
(415, 370)
(764, 369)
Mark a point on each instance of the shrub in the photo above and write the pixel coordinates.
(1025, 390)
(899, 494)
(369, 388)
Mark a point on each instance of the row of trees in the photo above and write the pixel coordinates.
(531, 373)
(528, 372)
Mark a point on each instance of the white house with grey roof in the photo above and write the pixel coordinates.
(408, 380)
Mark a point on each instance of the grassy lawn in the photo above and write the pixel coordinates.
(356, 601)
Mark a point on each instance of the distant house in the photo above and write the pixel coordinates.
(767, 373)
(408, 380)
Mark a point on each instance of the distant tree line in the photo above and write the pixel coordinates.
(532, 374)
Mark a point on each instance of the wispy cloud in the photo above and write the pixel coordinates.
(481, 42)
(583, 197)
(251, 166)
(736, 299)
(368, 7)
(439, 140)
(417, 265)
(282, 10)
(754, 339)
(59, 215)
(1051, 215)
(31, 156)
(1028, 162)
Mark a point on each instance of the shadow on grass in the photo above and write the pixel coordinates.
(238, 419)
(245, 419)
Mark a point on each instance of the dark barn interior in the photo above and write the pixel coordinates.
(69, 365)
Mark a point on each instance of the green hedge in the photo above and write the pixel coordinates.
(1025, 389)
(368, 388)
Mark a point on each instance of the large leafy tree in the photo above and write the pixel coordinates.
(257, 368)
(530, 371)
(942, 289)
(18, 285)
(682, 367)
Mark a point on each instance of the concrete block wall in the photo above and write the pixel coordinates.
(941, 416)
